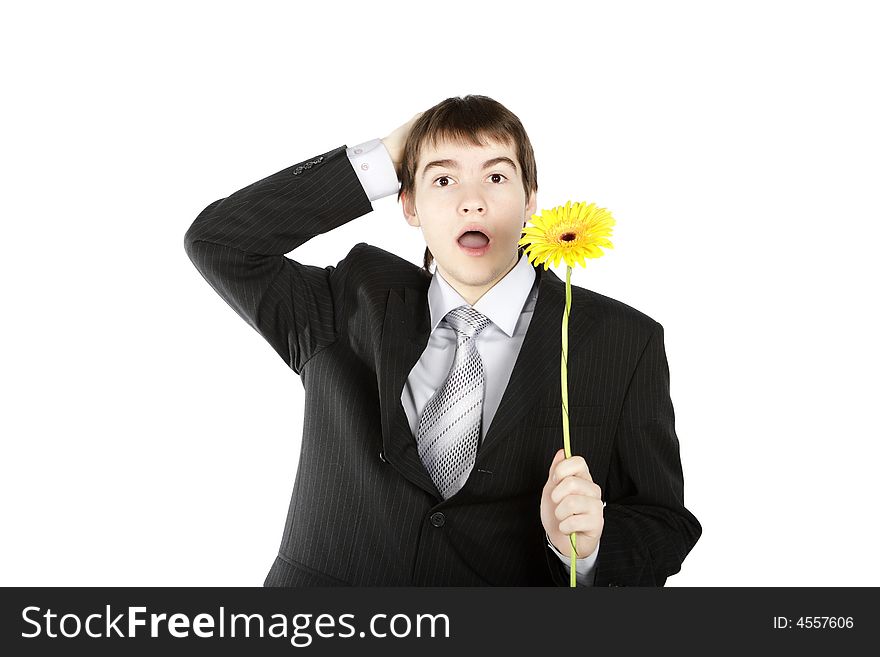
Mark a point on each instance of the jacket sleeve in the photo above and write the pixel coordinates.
(238, 244)
(647, 530)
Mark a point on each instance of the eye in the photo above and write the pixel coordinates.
(491, 175)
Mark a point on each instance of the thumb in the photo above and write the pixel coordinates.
(560, 455)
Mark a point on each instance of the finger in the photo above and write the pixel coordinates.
(578, 505)
(559, 456)
(583, 524)
(575, 486)
(575, 466)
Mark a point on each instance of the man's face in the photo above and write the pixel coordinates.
(460, 187)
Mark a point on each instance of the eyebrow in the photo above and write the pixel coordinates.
(452, 164)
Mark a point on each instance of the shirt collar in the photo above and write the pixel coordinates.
(502, 304)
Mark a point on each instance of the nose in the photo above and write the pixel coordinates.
(472, 205)
(472, 201)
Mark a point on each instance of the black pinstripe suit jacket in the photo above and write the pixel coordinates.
(364, 510)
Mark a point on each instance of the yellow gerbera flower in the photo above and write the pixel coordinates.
(570, 233)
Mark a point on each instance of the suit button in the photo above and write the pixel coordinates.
(437, 519)
(382, 456)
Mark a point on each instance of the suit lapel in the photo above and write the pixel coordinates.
(534, 364)
(405, 335)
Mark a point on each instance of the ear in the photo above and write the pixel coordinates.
(531, 207)
(409, 210)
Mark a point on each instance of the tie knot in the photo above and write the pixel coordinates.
(466, 321)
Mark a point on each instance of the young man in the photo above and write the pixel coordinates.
(431, 450)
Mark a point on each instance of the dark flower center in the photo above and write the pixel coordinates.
(567, 237)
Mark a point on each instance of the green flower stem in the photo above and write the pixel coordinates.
(565, 435)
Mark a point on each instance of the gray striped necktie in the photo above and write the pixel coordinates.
(450, 426)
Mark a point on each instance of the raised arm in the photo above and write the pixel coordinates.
(238, 244)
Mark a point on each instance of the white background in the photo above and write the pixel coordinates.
(151, 437)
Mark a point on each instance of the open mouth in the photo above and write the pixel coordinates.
(474, 237)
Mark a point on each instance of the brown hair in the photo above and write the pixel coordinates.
(470, 119)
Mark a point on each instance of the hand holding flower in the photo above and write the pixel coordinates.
(572, 503)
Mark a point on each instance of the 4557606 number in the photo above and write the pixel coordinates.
(813, 622)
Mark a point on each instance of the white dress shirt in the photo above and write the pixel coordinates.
(509, 305)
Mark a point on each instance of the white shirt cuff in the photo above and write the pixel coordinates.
(374, 168)
(583, 566)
